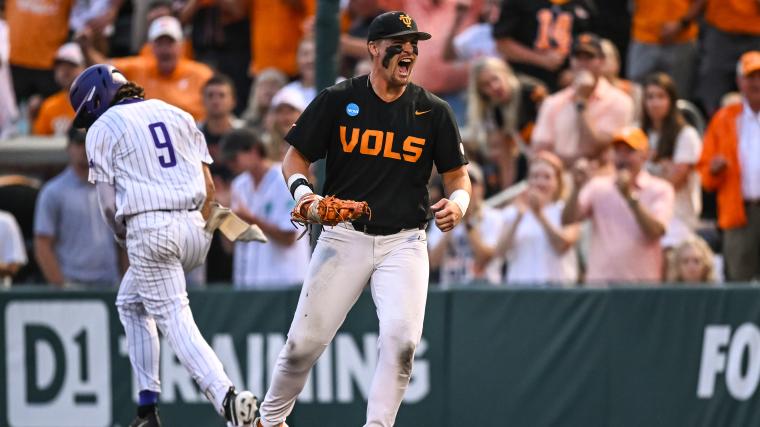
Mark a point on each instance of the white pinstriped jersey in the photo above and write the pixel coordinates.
(152, 151)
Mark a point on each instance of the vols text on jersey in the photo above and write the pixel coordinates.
(377, 142)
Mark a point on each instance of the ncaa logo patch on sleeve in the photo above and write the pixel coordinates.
(352, 109)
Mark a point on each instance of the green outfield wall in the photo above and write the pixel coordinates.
(489, 357)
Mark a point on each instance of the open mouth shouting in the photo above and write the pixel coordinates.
(405, 67)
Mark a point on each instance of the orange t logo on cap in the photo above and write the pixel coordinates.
(406, 20)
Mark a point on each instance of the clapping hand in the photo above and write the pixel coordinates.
(536, 200)
(521, 203)
(584, 84)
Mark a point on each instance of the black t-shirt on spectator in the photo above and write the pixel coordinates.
(613, 21)
(543, 24)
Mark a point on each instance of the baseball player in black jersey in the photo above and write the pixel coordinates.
(380, 135)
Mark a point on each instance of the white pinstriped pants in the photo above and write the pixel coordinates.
(344, 260)
(162, 245)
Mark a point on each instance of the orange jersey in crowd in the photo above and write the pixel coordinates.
(276, 30)
(722, 138)
(650, 15)
(37, 28)
(734, 16)
(146, 51)
(182, 88)
(55, 115)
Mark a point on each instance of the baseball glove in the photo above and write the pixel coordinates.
(330, 210)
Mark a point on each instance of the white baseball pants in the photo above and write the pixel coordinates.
(162, 246)
(344, 260)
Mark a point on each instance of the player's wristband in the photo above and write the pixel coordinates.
(461, 198)
(299, 186)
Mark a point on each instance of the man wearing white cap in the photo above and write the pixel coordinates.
(166, 75)
(56, 113)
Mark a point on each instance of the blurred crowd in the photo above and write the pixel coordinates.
(613, 141)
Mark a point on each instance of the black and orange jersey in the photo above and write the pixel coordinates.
(543, 25)
(380, 152)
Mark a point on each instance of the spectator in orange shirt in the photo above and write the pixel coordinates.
(730, 165)
(37, 29)
(56, 114)
(166, 75)
(731, 28)
(277, 26)
(664, 38)
(157, 9)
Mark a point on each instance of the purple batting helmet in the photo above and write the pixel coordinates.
(93, 91)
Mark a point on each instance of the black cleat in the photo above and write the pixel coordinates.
(149, 419)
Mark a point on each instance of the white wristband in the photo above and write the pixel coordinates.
(301, 191)
(294, 177)
(461, 198)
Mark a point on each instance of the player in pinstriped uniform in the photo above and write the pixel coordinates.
(150, 165)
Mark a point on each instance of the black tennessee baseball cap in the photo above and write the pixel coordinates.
(394, 24)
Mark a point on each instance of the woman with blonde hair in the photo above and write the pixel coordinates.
(692, 262)
(501, 111)
(267, 83)
(538, 248)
